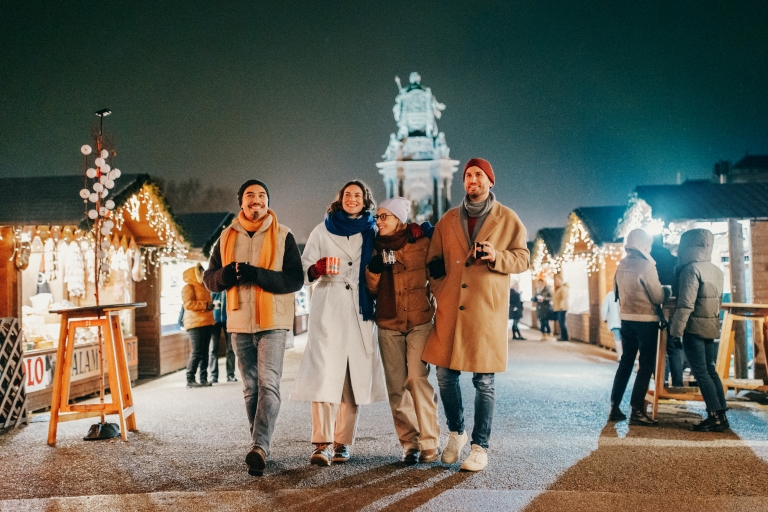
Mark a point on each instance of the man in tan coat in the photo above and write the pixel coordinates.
(473, 250)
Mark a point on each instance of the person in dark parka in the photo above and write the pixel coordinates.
(696, 322)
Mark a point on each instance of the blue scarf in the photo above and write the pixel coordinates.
(340, 224)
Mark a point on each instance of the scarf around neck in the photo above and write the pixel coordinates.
(340, 224)
(478, 211)
(267, 255)
(386, 306)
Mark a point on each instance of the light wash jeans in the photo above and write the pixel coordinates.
(260, 359)
(485, 400)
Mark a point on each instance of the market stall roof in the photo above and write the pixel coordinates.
(552, 238)
(752, 162)
(203, 229)
(601, 222)
(705, 200)
(55, 200)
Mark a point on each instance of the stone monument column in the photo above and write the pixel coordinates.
(416, 164)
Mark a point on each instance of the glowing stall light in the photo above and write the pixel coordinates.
(595, 257)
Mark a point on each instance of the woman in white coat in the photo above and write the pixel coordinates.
(341, 366)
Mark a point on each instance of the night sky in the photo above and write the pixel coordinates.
(574, 103)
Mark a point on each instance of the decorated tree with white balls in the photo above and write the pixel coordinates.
(98, 181)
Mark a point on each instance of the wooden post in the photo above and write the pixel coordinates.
(738, 294)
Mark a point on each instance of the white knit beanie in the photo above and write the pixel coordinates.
(399, 206)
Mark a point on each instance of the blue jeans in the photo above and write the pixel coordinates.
(561, 315)
(260, 359)
(213, 358)
(642, 337)
(198, 353)
(674, 365)
(485, 400)
(701, 355)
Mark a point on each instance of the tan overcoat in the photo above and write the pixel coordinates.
(470, 331)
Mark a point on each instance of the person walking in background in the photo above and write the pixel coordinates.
(341, 367)
(560, 306)
(542, 296)
(696, 322)
(640, 294)
(473, 250)
(220, 327)
(403, 315)
(257, 263)
(609, 311)
(198, 322)
(515, 310)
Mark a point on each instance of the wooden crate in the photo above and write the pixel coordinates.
(13, 399)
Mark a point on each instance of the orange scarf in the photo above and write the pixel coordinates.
(263, 301)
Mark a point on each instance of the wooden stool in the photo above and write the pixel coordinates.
(106, 318)
(745, 312)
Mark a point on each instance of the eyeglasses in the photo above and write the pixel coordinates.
(383, 216)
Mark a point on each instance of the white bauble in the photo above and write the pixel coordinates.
(92, 214)
(105, 168)
(109, 204)
(91, 173)
(105, 267)
(98, 187)
(86, 149)
(105, 231)
(109, 184)
(104, 193)
(103, 211)
(116, 173)
(99, 162)
(93, 197)
(104, 153)
(109, 224)
(84, 193)
(102, 255)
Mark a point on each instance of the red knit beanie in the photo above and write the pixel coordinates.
(485, 165)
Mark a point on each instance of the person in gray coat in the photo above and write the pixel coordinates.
(696, 322)
(640, 294)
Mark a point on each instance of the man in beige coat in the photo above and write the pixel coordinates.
(473, 250)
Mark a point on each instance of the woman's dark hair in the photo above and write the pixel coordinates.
(368, 202)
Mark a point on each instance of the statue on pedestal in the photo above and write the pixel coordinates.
(416, 109)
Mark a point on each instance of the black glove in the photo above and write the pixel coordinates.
(229, 275)
(677, 342)
(247, 273)
(376, 265)
(209, 306)
(436, 268)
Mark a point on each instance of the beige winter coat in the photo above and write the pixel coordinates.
(470, 331)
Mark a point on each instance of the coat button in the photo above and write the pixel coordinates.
(461, 308)
(466, 263)
(350, 263)
(347, 287)
(463, 285)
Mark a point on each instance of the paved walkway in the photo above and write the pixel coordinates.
(551, 449)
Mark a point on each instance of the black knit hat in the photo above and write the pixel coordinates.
(247, 184)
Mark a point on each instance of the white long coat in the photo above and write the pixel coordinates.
(337, 333)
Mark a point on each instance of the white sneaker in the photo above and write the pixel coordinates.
(476, 460)
(456, 442)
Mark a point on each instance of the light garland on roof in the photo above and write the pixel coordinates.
(594, 256)
(157, 219)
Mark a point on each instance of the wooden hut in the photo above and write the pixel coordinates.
(674, 209)
(545, 263)
(588, 259)
(46, 256)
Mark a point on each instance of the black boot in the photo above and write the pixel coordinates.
(640, 417)
(616, 414)
(712, 423)
(724, 419)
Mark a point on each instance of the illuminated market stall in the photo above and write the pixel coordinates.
(587, 262)
(46, 262)
(545, 263)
